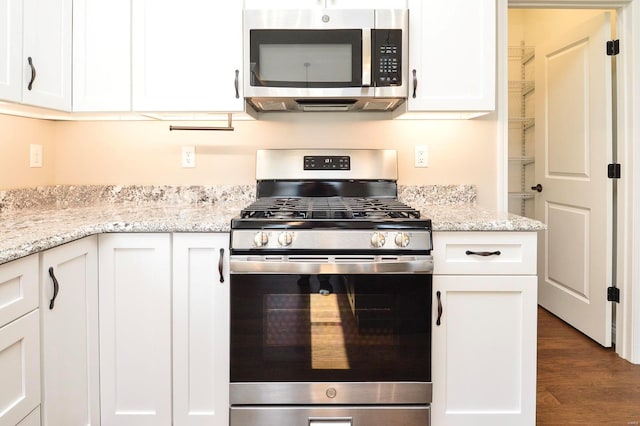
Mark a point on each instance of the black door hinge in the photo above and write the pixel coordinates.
(613, 47)
(613, 294)
(613, 171)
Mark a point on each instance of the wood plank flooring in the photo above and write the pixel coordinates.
(580, 382)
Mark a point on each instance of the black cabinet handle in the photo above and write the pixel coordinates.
(33, 73)
(538, 188)
(237, 84)
(415, 84)
(56, 287)
(220, 265)
(483, 253)
(438, 322)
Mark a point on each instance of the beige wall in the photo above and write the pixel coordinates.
(146, 152)
(16, 134)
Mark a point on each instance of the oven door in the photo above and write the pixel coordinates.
(339, 331)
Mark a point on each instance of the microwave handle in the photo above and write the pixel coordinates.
(366, 57)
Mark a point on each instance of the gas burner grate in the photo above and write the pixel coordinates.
(328, 208)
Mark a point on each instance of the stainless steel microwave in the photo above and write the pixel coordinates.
(325, 59)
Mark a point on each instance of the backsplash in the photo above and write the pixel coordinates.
(70, 196)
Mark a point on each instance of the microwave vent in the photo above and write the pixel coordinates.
(379, 105)
(272, 105)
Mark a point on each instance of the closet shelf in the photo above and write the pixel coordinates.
(524, 54)
(522, 195)
(522, 87)
(521, 123)
(524, 160)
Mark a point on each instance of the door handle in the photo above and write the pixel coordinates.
(538, 188)
(33, 73)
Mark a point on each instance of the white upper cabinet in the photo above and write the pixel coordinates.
(46, 53)
(35, 52)
(452, 55)
(11, 50)
(187, 55)
(326, 4)
(101, 55)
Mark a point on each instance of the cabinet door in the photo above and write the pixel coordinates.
(102, 55)
(11, 50)
(452, 55)
(366, 4)
(69, 329)
(187, 55)
(200, 330)
(135, 329)
(47, 41)
(19, 368)
(484, 350)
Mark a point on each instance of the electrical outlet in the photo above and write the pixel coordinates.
(188, 156)
(35, 155)
(421, 156)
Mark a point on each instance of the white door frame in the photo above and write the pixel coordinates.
(628, 126)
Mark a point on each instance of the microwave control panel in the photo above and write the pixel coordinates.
(386, 52)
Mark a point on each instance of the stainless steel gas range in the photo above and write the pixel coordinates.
(330, 295)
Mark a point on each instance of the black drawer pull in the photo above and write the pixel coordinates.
(483, 253)
(415, 83)
(56, 287)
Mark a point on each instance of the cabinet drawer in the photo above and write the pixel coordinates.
(494, 253)
(18, 288)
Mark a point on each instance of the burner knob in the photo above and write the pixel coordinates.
(261, 239)
(402, 239)
(377, 239)
(285, 239)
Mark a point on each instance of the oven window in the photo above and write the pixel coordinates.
(330, 328)
(306, 58)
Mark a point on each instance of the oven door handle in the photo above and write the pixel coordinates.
(331, 265)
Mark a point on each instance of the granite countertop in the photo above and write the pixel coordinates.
(30, 229)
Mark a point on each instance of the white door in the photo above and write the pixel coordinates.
(573, 148)
(201, 329)
(69, 330)
(11, 50)
(135, 329)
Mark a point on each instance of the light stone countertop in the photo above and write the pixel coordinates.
(24, 231)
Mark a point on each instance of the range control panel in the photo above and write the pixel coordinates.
(327, 162)
(387, 57)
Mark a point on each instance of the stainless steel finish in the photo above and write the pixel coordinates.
(413, 415)
(366, 57)
(326, 239)
(368, 98)
(318, 264)
(319, 393)
(366, 164)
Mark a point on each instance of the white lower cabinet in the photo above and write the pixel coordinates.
(164, 329)
(69, 330)
(19, 340)
(484, 330)
(135, 329)
(200, 330)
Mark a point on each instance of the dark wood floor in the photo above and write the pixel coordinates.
(580, 382)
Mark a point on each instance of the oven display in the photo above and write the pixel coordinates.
(327, 162)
